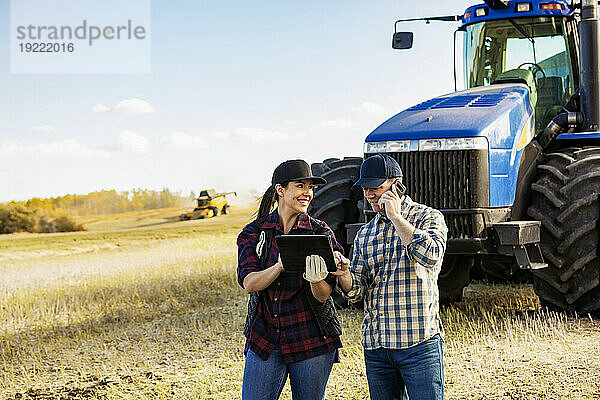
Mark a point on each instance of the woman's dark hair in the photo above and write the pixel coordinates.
(267, 201)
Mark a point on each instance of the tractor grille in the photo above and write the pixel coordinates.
(460, 226)
(454, 179)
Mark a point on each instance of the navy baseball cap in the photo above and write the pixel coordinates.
(377, 169)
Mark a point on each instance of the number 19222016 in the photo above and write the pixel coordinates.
(46, 47)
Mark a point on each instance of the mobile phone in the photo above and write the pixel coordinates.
(400, 190)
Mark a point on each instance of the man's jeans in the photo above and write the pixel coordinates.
(416, 373)
(264, 380)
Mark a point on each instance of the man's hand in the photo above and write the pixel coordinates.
(342, 263)
(316, 270)
(343, 271)
(391, 203)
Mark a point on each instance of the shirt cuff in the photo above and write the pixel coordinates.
(353, 294)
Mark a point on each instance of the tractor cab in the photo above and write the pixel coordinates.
(539, 51)
(205, 197)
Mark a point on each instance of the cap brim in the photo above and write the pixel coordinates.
(315, 179)
(371, 183)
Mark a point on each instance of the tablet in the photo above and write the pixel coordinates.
(295, 248)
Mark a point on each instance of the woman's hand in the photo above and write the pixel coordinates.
(279, 264)
(316, 270)
(315, 273)
(259, 280)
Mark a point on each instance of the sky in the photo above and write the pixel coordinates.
(233, 89)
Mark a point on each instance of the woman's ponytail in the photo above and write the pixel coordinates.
(266, 203)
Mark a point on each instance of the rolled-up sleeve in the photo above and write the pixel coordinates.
(429, 240)
(247, 258)
(358, 270)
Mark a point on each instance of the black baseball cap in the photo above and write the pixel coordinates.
(377, 169)
(294, 170)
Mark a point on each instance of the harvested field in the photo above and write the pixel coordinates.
(156, 313)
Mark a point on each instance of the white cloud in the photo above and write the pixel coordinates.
(178, 140)
(132, 142)
(221, 134)
(372, 108)
(134, 106)
(43, 128)
(100, 108)
(10, 147)
(340, 123)
(68, 148)
(259, 135)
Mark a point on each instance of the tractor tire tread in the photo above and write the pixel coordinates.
(565, 199)
(335, 202)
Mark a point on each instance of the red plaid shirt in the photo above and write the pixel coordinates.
(284, 317)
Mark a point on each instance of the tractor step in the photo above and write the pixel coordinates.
(529, 256)
(517, 232)
(522, 238)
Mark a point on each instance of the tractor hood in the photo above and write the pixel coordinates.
(498, 112)
(502, 114)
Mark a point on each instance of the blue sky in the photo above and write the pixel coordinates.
(235, 88)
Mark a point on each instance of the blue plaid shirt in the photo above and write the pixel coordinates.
(398, 281)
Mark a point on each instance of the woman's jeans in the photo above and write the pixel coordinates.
(416, 373)
(264, 380)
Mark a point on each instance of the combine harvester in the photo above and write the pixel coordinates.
(210, 204)
(513, 161)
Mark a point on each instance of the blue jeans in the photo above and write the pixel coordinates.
(416, 373)
(264, 380)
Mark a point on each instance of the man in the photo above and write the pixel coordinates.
(396, 261)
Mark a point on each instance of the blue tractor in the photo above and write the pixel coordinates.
(513, 161)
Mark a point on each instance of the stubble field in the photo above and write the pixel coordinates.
(156, 313)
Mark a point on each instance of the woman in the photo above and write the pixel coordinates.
(286, 334)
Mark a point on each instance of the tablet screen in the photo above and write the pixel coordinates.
(295, 248)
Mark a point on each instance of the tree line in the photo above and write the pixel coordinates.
(55, 214)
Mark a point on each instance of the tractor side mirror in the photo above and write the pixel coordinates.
(402, 40)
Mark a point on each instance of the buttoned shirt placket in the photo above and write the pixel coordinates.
(378, 296)
(277, 307)
(385, 326)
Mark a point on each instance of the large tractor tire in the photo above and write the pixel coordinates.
(565, 200)
(454, 277)
(336, 202)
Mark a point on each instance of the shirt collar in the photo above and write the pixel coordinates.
(272, 221)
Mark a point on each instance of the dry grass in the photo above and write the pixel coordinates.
(157, 314)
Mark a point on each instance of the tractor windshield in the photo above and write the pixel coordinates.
(542, 45)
